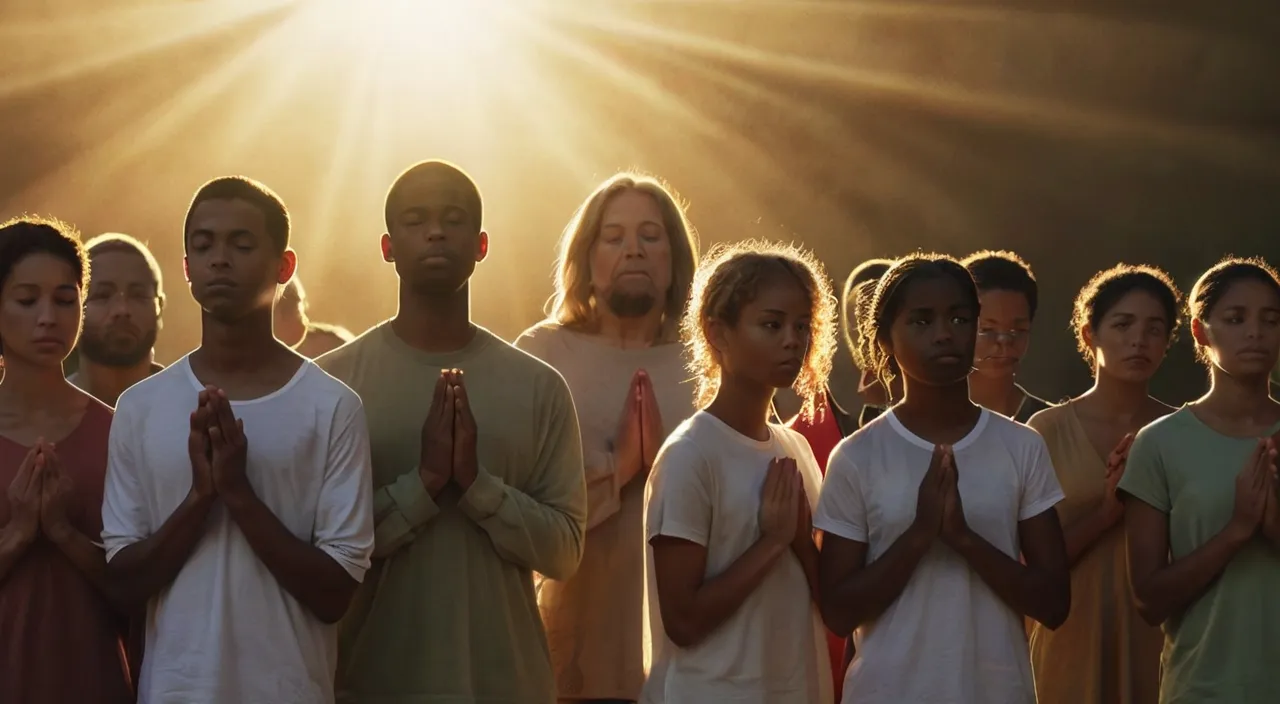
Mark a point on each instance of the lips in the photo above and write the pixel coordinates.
(221, 283)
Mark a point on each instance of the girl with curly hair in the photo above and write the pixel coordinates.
(732, 564)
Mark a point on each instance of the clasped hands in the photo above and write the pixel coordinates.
(449, 436)
(39, 496)
(218, 450)
(939, 510)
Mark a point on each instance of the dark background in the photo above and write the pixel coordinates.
(1078, 133)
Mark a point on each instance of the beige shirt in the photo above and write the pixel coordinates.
(595, 620)
(1104, 653)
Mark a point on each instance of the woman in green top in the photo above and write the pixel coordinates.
(1202, 515)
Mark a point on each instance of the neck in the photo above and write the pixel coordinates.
(239, 345)
(743, 406)
(1244, 398)
(1122, 399)
(106, 383)
(999, 394)
(920, 401)
(434, 322)
(34, 388)
(630, 332)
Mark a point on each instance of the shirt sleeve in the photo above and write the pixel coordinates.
(842, 507)
(1040, 488)
(125, 516)
(679, 502)
(400, 510)
(1144, 476)
(539, 526)
(344, 515)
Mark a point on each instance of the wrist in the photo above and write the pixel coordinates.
(18, 537)
(60, 533)
(1238, 533)
(433, 482)
(960, 540)
(773, 547)
(465, 479)
(238, 498)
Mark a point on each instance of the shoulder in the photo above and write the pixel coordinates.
(1011, 431)
(173, 379)
(339, 362)
(524, 363)
(1163, 429)
(321, 382)
(685, 449)
(1049, 418)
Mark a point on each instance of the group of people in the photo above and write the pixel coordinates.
(611, 509)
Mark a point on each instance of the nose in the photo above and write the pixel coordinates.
(795, 338)
(943, 333)
(45, 313)
(632, 246)
(435, 229)
(118, 306)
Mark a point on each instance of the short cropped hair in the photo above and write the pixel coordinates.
(120, 242)
(446, 170)
(257, 194)
(1003, 271)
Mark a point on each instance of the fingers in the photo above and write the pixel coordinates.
(771, 479)
(225, 418)
(437, 397)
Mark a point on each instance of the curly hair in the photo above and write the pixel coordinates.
(1214, 284)
(728, 280)
(876, 317)
(24, 236)
(868, 272)
(1109, 286)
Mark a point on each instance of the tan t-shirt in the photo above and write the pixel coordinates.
(1104, 653)
(595, 620)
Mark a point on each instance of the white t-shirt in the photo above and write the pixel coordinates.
(947, 639)
(225, 630)
(705, 488)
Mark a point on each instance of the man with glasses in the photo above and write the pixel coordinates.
(1008, 294)
(121, 317)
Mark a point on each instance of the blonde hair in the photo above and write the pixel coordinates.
(728, 280)
(573, 305)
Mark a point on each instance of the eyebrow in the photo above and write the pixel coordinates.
(210, 233)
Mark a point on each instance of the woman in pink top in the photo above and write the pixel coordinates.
(61, 641)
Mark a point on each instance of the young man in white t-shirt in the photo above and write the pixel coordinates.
(238, 502)
(927, 509)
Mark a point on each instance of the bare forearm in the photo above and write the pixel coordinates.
(308, 573)
(1172, 588)
(865, 594)
(1081, 535)
(12, 547)
(89, 559)
(139, 571)
(1029, 591)
(720, 597)
(807, 554)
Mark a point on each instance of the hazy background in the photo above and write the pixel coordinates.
(1078, 133)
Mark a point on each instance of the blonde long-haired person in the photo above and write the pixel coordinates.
(626, 261)
(732, 567)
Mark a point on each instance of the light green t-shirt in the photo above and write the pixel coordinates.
(447, 612)
(1225, 648)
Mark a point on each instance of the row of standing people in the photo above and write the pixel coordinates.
(491, 485)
